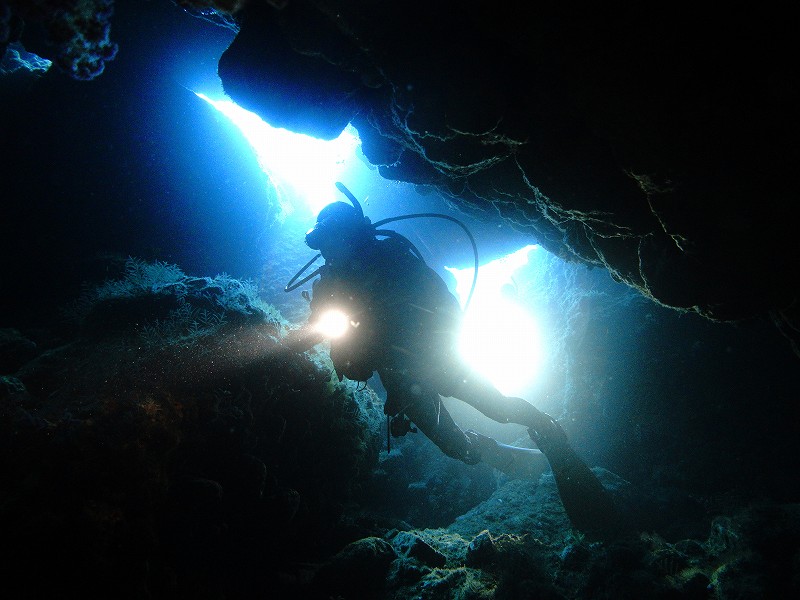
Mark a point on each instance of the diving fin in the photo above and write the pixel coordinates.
(587, 503)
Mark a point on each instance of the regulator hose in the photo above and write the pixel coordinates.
(289, 287)
(389, 233)
(457, 222)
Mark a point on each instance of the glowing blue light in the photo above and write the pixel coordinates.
(296, 164)
(499, 338)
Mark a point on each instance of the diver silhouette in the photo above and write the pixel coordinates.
(397, 317)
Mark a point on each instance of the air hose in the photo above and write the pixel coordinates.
(447, 218)
(294, 284)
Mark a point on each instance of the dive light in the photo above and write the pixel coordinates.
(333, 324)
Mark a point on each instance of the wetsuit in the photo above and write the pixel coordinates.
(405, 325)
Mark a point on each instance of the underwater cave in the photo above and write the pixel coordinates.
(624, 184)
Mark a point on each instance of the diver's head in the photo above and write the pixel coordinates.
(340, 230)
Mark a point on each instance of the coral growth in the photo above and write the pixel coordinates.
(79, 30)
(172, 468)
(161, 305)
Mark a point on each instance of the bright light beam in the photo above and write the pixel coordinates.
(333, 324)
(306, 166)
(499, 338)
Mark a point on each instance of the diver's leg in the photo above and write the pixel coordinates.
(587, 504)
(425, 409)
(483, 396)
(431, 417)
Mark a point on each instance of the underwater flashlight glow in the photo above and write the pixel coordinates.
(499, 338)
(294, 162)
(333, 324)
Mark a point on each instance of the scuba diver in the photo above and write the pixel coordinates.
(394, 315)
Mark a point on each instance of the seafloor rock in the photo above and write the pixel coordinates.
(757, 552)
(518, 506)
(416, 482)
(11, 387)
(358, 570)
(414, 547)
(15, 350)
(528, 550)
(168, 458)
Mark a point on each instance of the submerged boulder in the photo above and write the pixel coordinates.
(171, 465)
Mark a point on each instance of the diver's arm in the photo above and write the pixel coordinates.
(307, 336)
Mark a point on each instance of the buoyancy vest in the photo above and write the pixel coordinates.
(401, 312)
